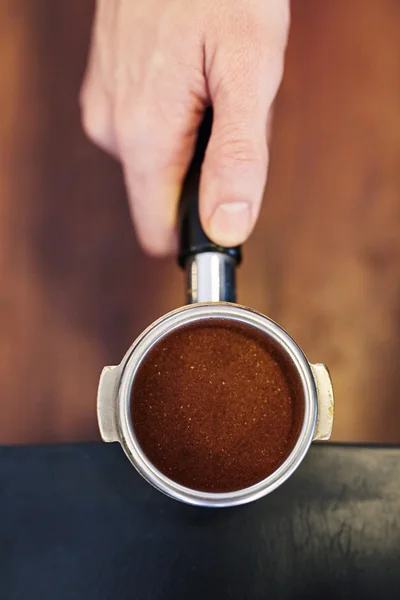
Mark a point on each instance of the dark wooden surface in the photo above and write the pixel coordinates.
(324, 260)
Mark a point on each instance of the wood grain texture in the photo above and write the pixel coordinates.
(324, 260)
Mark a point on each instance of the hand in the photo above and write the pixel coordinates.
(154, 66)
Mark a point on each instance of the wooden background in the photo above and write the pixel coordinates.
(324, 260)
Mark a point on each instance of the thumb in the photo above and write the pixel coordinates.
(236, 162)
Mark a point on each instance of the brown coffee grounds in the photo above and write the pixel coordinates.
(217, 407)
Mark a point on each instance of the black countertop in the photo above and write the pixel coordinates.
(78, 522)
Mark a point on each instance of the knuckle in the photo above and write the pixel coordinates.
(135, 144)
(125, 130)
(256, 26)
(238, 152)
(149, 144)
(131, 125)
(255, 35)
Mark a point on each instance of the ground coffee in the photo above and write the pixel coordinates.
(217, 407)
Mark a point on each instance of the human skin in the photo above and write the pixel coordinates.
(153, 68)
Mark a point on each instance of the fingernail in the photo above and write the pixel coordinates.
(230, 223)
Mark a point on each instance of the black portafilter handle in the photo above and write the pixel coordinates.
(193, 241)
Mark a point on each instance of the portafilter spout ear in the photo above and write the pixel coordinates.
(210, 269)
